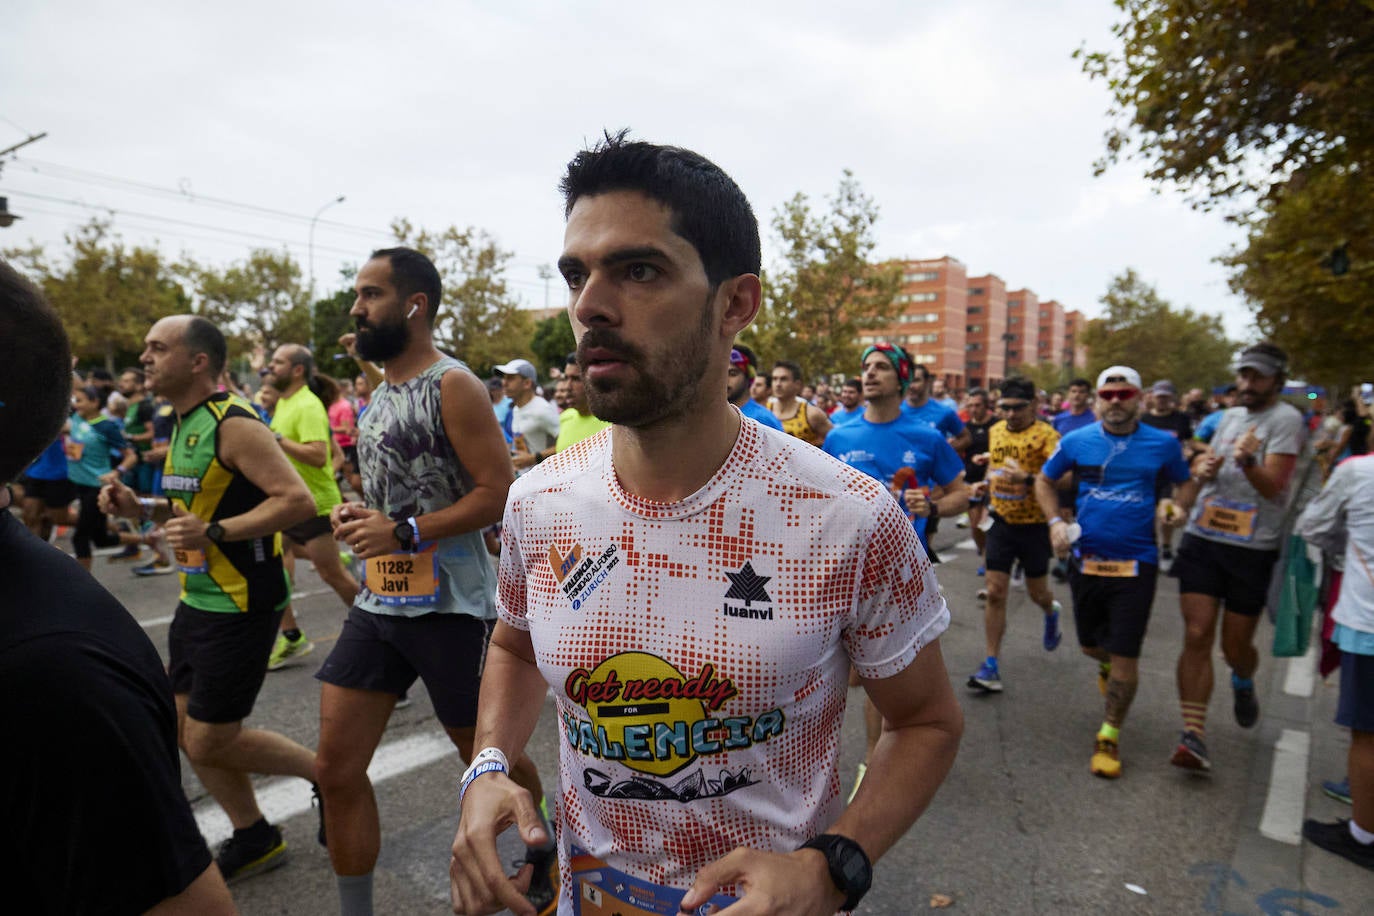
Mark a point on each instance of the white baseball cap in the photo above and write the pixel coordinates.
(1119, 374)
(519, 367)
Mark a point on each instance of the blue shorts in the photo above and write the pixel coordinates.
(1356, 707)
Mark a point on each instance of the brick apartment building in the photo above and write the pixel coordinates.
(973, 330)
(1051, 340)
(984, 354)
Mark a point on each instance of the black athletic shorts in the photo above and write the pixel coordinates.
(350, 453)
(1235, 575)
(386, 653)
(220, 659)
(1356, 707)
(1028, 543)
(309, 529)
(1112, 612)
(55, 494)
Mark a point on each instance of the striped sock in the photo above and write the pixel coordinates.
(1194, 717)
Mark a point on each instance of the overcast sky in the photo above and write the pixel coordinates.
(968, 122)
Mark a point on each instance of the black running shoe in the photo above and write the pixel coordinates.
(239, 857)
(543, 892)
(1336, 838)
(1246, 707)
(317, 801)
(1191, 753)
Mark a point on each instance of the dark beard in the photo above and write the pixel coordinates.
(668, 390)
(381, 342)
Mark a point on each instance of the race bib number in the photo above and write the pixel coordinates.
(73, 449)
(1232, 521)
(1112, 569)
(599, 890)
(192, 562)
(404, 578)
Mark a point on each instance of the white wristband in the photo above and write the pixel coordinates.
(1055, 519)
(488, 760)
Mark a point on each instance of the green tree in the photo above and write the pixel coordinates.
(480, 320)
(826, 290)
(1140, 329)
(1224, 97)
(553, 340)
(1306, 301)
(107, 294)
(260, 302)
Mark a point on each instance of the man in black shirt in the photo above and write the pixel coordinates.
(1164, 414)
(95, 820)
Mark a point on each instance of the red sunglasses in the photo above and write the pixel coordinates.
(1118, 394)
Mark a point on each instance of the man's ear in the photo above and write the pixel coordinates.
(743, 296)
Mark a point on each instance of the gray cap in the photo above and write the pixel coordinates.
(1164, 386)
(1266, 364)
(519, 367)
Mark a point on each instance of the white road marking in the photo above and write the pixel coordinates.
(1285, 804)
(966, 544)
(285, 797)
(163, 621)
(1301, 678)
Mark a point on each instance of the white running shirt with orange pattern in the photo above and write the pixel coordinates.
(698, 651)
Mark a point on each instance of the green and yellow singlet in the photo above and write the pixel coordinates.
(238, 576)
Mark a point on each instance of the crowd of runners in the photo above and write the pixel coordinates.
(631, 548)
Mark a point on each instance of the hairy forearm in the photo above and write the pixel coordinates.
(479, 507)
(907, 766)
(512, 696)
(273, 514)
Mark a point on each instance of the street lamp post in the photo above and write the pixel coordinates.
(311, 256)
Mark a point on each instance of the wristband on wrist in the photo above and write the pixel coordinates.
(415, 534)
(1056, 520)
(488, 760)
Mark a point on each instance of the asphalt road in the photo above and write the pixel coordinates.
(1020, 826)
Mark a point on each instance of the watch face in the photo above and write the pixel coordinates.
(403, 533)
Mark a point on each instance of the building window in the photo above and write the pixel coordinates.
(922, 276)
(975, 310)
(974, 328)
(974, 365)
(1013, 354)
(973, 346)
(976, 290)
(924, 297)
(1013, 320)
(924, 357)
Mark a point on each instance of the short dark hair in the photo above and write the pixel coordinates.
(1081, 383)
(1017, 387)
(570, 359)
(135, 372)
(924, 370)
(412, 272)
(853, 383)
(101, 376)
(708, 208)
(35, 373)
(791, 367)
(978, 393)
(201, 336)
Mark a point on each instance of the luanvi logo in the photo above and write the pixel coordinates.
(747, 586)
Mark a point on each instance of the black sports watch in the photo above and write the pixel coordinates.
(849, 866)
(404, 535)
(215, 533)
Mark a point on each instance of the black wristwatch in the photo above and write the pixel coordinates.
(214, 532)
(404, 535)
(849, 866)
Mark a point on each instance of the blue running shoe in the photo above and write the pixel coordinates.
(987, 678)
(1340, 791)
(1052, 636)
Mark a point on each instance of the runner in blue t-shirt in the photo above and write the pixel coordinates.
(914, 461)
(744, 368)
(1080, 413)
(851, 402)
(1121, 465)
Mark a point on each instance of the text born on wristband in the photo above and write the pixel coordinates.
(481, 769)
